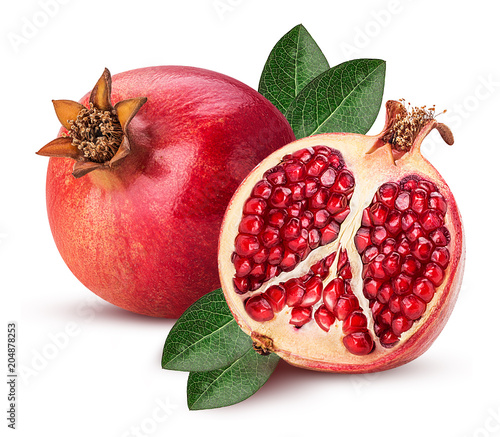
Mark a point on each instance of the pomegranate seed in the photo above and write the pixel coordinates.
(431, 220)
(409, 183)
(410, 266)
(419, 200)
(312, 186)
(322, 150)
(354, 322)
(299, 244)
(436, 201)
(243, 266)
(388, 339)
(262, 189)
(277, 297)
(336, 160)
(276, 176)
(255, 206)
(369, 254)
(259, 308)
(424, 289)
(408, 219)
(320, 269)
(385, 292)
(303, 155)
(281, 197)
(365, 219)
(296, 209)
(317, 165)
(276, 217)
(258, 272)
(403, 246)
(261, 256)
(324, 318)
(362, 239)
(387, 193)
(254, 283)
(275, 255)
(441, 256)
(412, 307)
(270, 237)
(427, 186)
(329, 259)
(251, 224)
(307, 220)
(385, 317)
(342, 215)
(371, 287)
(434, 273)
(388, 246)
(289, 261)
(241, 284)
(328, 177)
(378, 213)
(337, 203)
(393, 222)
(321, 218)
(440, 237)
(294, 292)
(422, 249)
(330, 233)
(298, 191)
(294, 171)
(344, 182)
(246, 245)
(291, 229)
(402, 201)
(346, 304)
(300, 316)
(394, 304)
(376, 307)
(332, 292)
(376, 269)
(401, 284)
(271, 272)
(314, 287)
(378, 235)
(358, 343)
(319, 199)
(314, 238)
(401, 324)
(415, 232)
(392, 263)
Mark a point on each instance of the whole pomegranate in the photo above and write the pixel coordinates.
(343, 252)
(141, 175)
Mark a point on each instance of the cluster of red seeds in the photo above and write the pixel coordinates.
(297, 207)
(301, 294)
(403, 245)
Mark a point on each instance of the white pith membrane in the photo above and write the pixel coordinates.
(372, 163)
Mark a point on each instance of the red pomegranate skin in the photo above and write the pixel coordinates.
(143, 235)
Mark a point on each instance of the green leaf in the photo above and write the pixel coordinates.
(231, 384)
(293, 62)
(205, 337)
(346, 98)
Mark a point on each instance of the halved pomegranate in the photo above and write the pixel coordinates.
(343, 252)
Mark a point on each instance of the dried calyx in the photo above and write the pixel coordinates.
(96, 136)
(405, 123)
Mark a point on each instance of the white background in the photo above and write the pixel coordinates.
(93, 369)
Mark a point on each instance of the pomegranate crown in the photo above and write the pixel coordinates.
(96, 137)
(406, 126)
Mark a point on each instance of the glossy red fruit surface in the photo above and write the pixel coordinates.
(142, 233)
